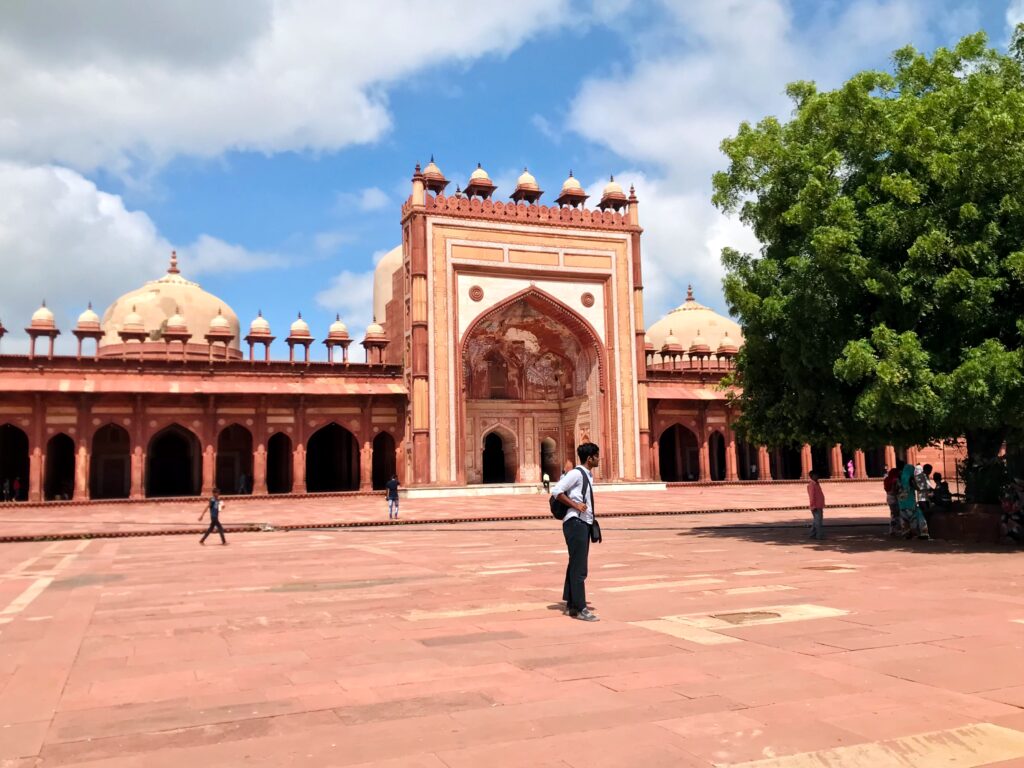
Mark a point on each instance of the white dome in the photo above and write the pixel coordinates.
(177, 323)
(338, 328)
(699, 343)
(374, 329)
(133, 322)
(220, 323)
(88, 319)
(259, 326)
(691, 316)
(526, 179)
(42, 317)
(479, 174)
(670, 341)
(613, 188)
(727, 345)
(382, 273)
(571, 184)
(300, 327)
(432, 169)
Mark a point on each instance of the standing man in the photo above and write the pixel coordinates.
(575, 489)
(816, 501)
(214, 508)
(392, 497)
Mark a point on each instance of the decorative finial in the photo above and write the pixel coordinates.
(611, 177)
(570, 173)
(478, 166)
(173, 269)
(337, 315)
(417, 170)
(259, 313)
(44, 302)
(689, 293)
(431, 157)
(458, 191)
(218, 311)
(133, 306)
(90, 305)
(300, 315)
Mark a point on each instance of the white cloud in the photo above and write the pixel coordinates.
(373, 199)
(715, 65)
(350, 294)
(125, 85)
(1014, 13)
(64, 240)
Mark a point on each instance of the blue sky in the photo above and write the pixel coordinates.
(272, 145)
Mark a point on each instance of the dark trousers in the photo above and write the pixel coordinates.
(214, 525)
(577, 540)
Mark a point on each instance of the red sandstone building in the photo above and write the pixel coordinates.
(510, 332)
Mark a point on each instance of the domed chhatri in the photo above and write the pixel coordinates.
(299, 328)
(375, 342)
(527, 190)
(298, 333)
(671, 345)
(42, 324)
(699, 347)
(259, 326)
(480, 184)
(133, 322)
(176, 323)
(374, 330)
(155, 303)
(88, 320)
(337, 336)
(572, 193)
(259, 333)
(42, 318)
(337, 329)
(612, 196)
(727, 347)
(690, 317)
(433, 179)
(220, 323)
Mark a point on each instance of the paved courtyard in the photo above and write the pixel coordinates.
(725, 639)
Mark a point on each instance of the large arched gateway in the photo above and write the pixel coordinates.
(532, 377)
(173, 463)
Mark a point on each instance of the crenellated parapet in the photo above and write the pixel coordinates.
(522, 212)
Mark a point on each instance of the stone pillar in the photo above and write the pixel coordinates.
(137, 488)
(730, 458)
(806, 464)
(836, 464)
(890, 457)
(209, 465)
(366, 466)
(299, 468)
(764, 464)
(259, 470)
(655, 460)
(82, 472)
(912, 455)
(705, 461)
(859, 465)
(35, 474)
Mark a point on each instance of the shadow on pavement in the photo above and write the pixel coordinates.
(840, 536)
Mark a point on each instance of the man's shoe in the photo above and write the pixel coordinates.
(584, 615)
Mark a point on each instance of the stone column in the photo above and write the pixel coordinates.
(655, 461)
(859, 465)
(299, 468)
(730, 458)
(705, 461)
(366, 466)
(837, 461)
(136, 489)
(35, 474)
(764, 464)
(209, 465)
(806, 464)
(82, 472)
(890, 457)
(259, 470)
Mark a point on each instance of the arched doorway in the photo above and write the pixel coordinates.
(746, 460)
(14, 461)
(499, 458)
(678, 455)
(234, 460)
(874, 462)
(332, 460)
(529, 360)
(279, 463)
(785, 463)
(549, 459)
(173, 465)
(716, 455)
(110, 463)
(383, 460)
(59, 469)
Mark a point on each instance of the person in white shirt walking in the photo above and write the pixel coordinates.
(575, 489)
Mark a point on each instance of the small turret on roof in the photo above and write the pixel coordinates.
(572, 193)
(259, 333)
(433, 179)
(480, 184)
(527, 189)
(613, 197)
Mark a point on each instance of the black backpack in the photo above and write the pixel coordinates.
(558, 509)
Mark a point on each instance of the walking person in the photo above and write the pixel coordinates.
(391, 495)
(891, 484)
(912, 519)
(17, 489)
(575, 489)
(214, 507)
(816, 499)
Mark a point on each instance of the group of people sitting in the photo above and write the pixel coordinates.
(911, 491)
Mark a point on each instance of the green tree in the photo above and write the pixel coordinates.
(886, 303)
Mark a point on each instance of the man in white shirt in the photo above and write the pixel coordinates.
(575, 489)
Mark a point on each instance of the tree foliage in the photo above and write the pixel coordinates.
(886, 303)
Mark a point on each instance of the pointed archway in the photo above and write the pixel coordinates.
(110, 463)
(279, 463)
(59, 468)
(716, 456)
(678, 455)
(332, 460)
(173, 463)
(234, 460)
(14, 463)
(383, 460)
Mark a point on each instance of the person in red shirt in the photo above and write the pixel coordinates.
(816, 499)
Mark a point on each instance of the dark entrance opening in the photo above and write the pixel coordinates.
(234, 460)
(820, 460)
(14, 462)
(172, 463)
(874, 462)
(110, 465)
(332, 460)
(746, 460)
(494, 459)
(716, 455)
(849, 468)
(59, 470)
(678, 455)
(383, 460)
(279, 464)
(549, 459)
(785, 463)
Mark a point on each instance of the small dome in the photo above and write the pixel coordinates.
(526, 179)
(89, 320)
(132, 322)
(42, 317)
(338, 328)
(479, 174)
(727, 346)
(374, 329)
(613, 188)
(176, 323)
(432, 169)
(699, 344)
(259, 326)
(219, 323)
(648, 344)
(300, 327)
(672, 343)
(571, 184)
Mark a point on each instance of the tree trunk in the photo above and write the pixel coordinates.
(985, 471)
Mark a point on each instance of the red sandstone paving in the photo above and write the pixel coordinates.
(399, 646)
